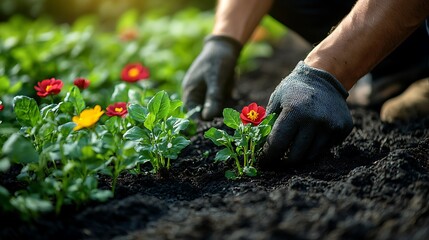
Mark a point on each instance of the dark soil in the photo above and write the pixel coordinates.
(375, 185)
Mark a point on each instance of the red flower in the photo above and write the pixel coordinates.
(48, 87)
(252, 114)
(81, 83)
(1, 107)
(134, 72)
(117, 109)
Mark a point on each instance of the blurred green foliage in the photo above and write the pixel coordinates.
(33, 50)
(108, 11)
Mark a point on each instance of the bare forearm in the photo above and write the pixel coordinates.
(238, 18)
(366, 35)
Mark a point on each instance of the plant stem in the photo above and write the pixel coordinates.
(60, 195)
(237, 162)
(144, 94)
(252, 152)
(63, 157)
(162, 160)
(115, 175)
(124, 125)
(245, 156)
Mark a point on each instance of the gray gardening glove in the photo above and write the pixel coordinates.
(209, 81)
(312, 115)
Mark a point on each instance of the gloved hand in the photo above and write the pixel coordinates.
(209, 80)
(312, 115)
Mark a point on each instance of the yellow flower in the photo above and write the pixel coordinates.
(87, 118)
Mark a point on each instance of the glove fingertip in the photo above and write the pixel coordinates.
(271, 152)
(273, 106)
(267, 159)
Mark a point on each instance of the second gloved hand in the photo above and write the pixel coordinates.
(312, 115)
(209, 80)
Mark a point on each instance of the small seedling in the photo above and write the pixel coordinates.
(251, 128)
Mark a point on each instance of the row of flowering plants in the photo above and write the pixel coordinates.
(65, 134)
(64, 146)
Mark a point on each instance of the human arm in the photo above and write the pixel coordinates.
(310, 102)
(372, 30)
(209, 80)
(239, 18)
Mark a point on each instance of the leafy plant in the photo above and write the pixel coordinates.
(157, 135)
(61, 159)
(59, 164)
(241, 147)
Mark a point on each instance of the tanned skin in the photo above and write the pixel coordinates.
(371, 30)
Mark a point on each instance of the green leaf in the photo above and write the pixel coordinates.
(66, 107)
(75, 97)
(241, 139)
(66, 128)
(69, 167)
(137, 112)
(47, 130)
(113, 124)
(218, 137)
(47, 112)
(250, 171)
(20, 150)
(231, 118)
(180, 143)
(120, 94)
(26, 110)
(88, 152)
(172, 149)
(230, 175)
(136, 134)
(135, 96)
(159, 105)
(224, 154)
(4, 165)
(72, 150)
(31, 204)
(177, 124)
(145, 156)
(174, 104)
(269, 119)
(149, 123)
(5, 199)
(101, 195)
(264, 130)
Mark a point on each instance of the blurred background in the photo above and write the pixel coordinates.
(95, 39)
(108, 11)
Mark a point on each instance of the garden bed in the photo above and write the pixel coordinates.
(374, 185)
